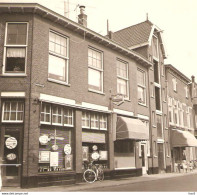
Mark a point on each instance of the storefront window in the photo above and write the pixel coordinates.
(68, 117)
(94, 121)
(46, 113)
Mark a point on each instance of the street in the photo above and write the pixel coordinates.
(186, 183)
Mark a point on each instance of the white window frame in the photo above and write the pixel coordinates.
(15, 46)
(86, 118)
(96, 69)
(94, 117)
(103, 119)
(12, 121)
(66, 58)
(67, 116)
(143, 86)
(57, 115)
(43, 122)
(157, 47)
(124, 78)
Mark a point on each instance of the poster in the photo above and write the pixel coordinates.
(54, 158)
(68, 161)
(44, 156)
(85, 151)
(103, 155)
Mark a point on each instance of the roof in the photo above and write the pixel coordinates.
(138, 35)
(133, 35)
(169, 66)
(69, 24)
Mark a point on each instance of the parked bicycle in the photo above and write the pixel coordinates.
(93, 172)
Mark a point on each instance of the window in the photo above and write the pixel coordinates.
(56, 115)
(162, 69)
(165, 121)
(68, 117)
(174, 84)
(85, 120)
(157, 98)
(122, 78)
(141, 86)
(58, 57)
(167, 149)
(94, 121)
(170, 109)
(155, 46)
(95, 70)
(159, 126)
(156, 71)
(124, 146)
(12, 111)
(164, 94)
(153, 118)
(15, 48)
(187, 92)
(46, 113)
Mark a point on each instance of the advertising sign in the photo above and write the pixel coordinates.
(67, 149)
(85, 151)
(54, 158)
(44, 156)
(103, 155)
(11, 142)
(68, 161)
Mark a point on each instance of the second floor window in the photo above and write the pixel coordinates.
(95, 70)
(15, 48)
(141, 79)
(58, 57)
(174, 84)
(122, 78)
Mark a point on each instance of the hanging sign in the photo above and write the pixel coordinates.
(94, 147)
(43, 139)
(95, 155)
(67, 149)
(11, 142)
(54, 158)
(11, 156)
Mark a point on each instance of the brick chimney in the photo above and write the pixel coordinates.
(82, 17)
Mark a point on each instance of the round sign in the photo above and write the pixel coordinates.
(55, 147)
(43, 139)
(11, 156)
(11, 142)
(67, 149)
(94, 147)
(95, 155)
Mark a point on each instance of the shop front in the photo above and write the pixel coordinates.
(183, 143)
(127, 156)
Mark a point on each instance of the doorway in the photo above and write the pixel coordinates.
(160, 157)
(11, 144)
(144, 158)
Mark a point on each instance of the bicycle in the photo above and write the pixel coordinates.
(93, 173)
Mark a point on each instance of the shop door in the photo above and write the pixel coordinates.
(12, 151)
(144, 159)
(160, 157)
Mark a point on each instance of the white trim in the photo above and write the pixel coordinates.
(159, 112)
(12, 94)
(94, 106)
(123, 112)
(160, 140)
(125, 168)
(140, 116)
(139, 45)
(151, 35)
(55, 99)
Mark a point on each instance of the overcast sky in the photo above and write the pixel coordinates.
(178, 19)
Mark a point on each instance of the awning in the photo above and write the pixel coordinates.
(129, 128)
(93, 137)
(181, 138)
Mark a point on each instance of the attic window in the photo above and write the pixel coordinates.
(155, 46)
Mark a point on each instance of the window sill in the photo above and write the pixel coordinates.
(159, 112)
(154, 126)
(13, 75)
(166, 128)
(59, 82)
(153, 97)
(16, 122)
(94, 91)
(168, 156)
(142, 104)
(127, 100)
(164, 101)
(155, 156)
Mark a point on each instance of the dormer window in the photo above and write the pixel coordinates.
(155, 46)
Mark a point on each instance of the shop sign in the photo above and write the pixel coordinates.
(44, 156)
(11, 142)
(103, 155)
(54, 158)
(43, 139)
(67, 149)
(11, 156)
(68, 162)
(55, 147)
(94, 147)
(95, 155)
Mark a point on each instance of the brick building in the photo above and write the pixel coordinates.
(58, 81)
(181, 116)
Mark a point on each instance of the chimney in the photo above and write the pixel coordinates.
(111, 35)
(193, 79)
(193, 90)
(82, 17)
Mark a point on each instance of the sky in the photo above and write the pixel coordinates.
(177, 19)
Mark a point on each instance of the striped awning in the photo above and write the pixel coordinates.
(92, 137)
(181, 138)
(130, 128)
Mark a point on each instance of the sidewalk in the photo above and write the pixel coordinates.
(97, 184)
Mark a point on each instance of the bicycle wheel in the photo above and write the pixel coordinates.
(89, 176)
(100, 176)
